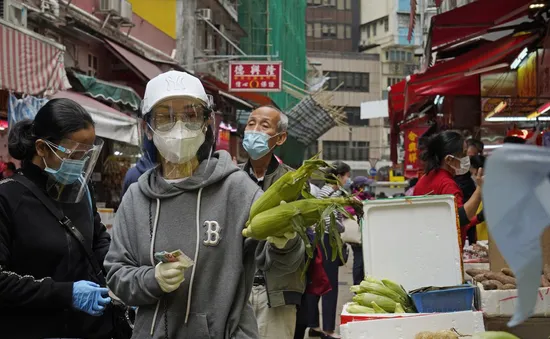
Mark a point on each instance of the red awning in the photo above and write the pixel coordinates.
(30, 64)
(474, 19)
(459, 76)
(139, 64)
(255, 98)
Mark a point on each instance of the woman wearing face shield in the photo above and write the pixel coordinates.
(49, 286)
(197, 202)
(444, 156)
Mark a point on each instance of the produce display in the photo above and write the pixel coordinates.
(380, 296)
(453, 334)
(279, 212)
(505, 279)
(476, 253)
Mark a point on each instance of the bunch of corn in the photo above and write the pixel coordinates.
(287, 188)
(383, 296)
(297, 216)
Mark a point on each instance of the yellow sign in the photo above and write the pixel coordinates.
(159, 13)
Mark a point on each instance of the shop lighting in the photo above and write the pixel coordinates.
(517, 61)
(537, 6)
(500, 107)
(439, 99)
(540, 111)
(492, 146)
(117, 153)
(515, 119)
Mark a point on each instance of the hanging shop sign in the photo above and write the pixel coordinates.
(224, 136)
(412, 153)
(255, 76)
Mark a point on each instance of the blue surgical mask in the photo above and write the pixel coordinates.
(256, 144)
(69, 171)
(347, 184)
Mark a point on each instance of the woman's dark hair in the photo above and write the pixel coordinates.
(475, 143)
(413, 182)
(477, 161)
(208, 146)
(439, 146)
(54, 121)
(514, 140)
(338, 168)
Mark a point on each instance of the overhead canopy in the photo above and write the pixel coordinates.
(29, 63)
(109, 91)
(474, 19)
(109, 123)
(460, 76)
(147, 69)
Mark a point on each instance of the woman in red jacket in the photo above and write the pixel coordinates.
(444, 156)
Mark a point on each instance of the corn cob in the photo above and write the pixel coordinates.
(381, 290)
(399, 308)
(355, 308)
(376, 308)
(366, 299)
(287, 188)
(277, 220)
(396, 288)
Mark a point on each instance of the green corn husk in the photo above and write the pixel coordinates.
(494, 335)
(377, 309)
(396, 288)
(399, 308)
(356, 289)
(366, 299)
(373, 280)
(381, 290)
(355, 308)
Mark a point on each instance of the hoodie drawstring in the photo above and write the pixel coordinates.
(152, 257)
(196, 259)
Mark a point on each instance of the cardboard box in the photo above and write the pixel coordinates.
(497, 262)
(467, 323)
(503, 302)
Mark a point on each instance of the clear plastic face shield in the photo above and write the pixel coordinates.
(69, 168)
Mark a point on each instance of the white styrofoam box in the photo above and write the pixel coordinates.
(466, 323)
(412, 241)
(346, 317)
(503, 302)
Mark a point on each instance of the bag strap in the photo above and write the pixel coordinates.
(65, 222)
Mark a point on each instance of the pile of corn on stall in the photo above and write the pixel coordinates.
(287, 206)
(380, 296)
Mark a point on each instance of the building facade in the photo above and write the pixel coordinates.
(333, 37)
(384, 31)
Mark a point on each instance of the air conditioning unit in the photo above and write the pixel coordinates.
(50, 7)
(14, 12)
(126, 11)
(111, 6)
(204, 14)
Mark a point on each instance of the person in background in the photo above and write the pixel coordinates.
(410, 190)
(360, 189)
(382, 195)
(477, 224)
(48, 287)
(147, 161)
(513, 140)
(277, 289)
(9, 171)
(342, 172)
(474, 147)
(445, 157)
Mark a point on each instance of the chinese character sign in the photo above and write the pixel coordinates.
(412, 153)
(255, 76)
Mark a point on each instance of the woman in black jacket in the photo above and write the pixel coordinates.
(48, 286)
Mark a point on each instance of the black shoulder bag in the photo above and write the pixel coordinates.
(121, 314)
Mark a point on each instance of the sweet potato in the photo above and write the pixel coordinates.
(492, 285)
(544, 281)
(480, 278)
(547, 271)
(473, 272)
(503, 278)
(508, 287)
(508, 272)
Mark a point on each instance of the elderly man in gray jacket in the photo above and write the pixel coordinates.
(278, 288)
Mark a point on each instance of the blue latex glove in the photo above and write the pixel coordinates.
(89, 297)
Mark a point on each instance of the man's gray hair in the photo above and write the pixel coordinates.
(282, 125)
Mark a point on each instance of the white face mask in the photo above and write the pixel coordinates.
(178, 145)
(464, 165)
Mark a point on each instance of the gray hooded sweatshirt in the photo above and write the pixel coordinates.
(203, 216)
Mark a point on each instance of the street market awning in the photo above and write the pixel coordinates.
(474, 19)
(451, 77)
(30, 64)
(109, 91)
(147, 69)
(109, 123)
(234, 98)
